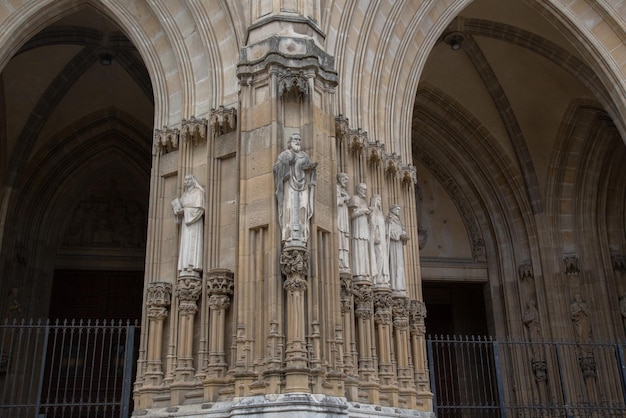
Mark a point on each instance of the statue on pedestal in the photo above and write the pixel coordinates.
(380, 249)
(360, 240)
(343, 222)
(398, 238)
(189, 212)
(295, 177)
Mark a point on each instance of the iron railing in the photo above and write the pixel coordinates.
(66, 369)
(481, 377)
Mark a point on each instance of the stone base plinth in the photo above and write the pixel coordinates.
(289, 405)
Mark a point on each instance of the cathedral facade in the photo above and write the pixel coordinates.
(289, 195)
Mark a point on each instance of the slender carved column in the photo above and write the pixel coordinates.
(158, 299)
(363, 297)
(294, 263)
(382, 316)
(401, 306)
(350, 356)
(417, 314)
(188, 291)
(220, 283)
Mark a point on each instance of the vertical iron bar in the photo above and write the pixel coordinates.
(619, 351)
(563, 390)
(431, 366)
(496, 358)
(42, 368)
(128, 371)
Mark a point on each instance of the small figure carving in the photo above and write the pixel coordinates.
(579, 312)
(189, 212)
(343, 222)
(295, 177)
(398, 238)
(360, 240)
(380, 253)
(531, 320)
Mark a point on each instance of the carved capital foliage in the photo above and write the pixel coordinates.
(571, 265)
(166, 140)
(295, 283)
(159, 294)
(417, 312)
(526, 271)
(382, 317)
(157, 312)
(382, 303)
(363, 298)
(294, 260)
(346, 293)
(194, 130)
(293, 82)
(220, 282)
(401, 307)
(223, 120)
(217, 302)
(619, 263)
(189, 288)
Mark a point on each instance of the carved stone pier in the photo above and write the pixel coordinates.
(294, 263)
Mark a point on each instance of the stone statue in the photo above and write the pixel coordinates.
(531, 320)
(343, 222)
(189, 212)
(295, 178)
(380, 253)
(579, 313)
(398, 237)
(360, 239)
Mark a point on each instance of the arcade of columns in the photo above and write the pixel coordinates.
(259, 316)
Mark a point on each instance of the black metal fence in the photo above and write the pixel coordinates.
(66, 369)
(480, 377)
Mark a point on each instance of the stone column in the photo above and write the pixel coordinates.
(220, 284)
(157, 300)
(294, 263)
(188, 291)
(400, 309)
(382, 316)
(417, 314)
(350, 357)
(363, 298)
